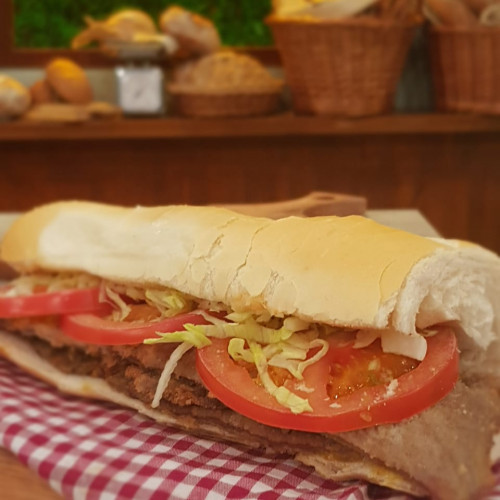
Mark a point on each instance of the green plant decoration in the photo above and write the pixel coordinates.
(53, 23)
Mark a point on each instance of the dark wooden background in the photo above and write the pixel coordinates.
(451, 174)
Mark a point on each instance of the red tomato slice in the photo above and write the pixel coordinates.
(93, 329)
(414, 391)
(48, 303)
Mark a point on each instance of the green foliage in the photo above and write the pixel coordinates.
(53, 23)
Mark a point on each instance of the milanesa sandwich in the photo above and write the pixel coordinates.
(362, 351)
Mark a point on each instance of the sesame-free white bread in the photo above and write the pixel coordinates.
(341, 271)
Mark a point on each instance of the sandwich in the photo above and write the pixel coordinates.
(362, 351)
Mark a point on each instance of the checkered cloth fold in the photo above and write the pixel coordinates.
(93, 450)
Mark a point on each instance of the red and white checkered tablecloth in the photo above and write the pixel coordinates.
(98, 451)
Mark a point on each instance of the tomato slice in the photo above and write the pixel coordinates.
(48, 303)
(414, 391)
(94, 329)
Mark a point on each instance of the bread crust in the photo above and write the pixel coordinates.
(347, 271)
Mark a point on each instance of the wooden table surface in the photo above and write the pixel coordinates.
(20, 483)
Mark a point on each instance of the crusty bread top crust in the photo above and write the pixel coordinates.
(341, 271)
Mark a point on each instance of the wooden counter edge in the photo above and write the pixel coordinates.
(279, 125)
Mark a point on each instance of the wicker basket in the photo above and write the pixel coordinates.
(343, 68)
(466, 69)
(203, 104)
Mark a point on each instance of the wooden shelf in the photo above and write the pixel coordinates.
(283, 125)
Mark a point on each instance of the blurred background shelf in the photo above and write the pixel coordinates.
(282, 125)
(446, 166)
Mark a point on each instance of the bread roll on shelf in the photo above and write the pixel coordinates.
(69, 81)
(195, 34)
(41, 92)
(122, 26)
(15, 98)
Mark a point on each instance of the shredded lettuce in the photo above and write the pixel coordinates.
(136, 294)
(200, 334)
(279, 347)
(295, 324)
(303, 340)
(238, 317)
(284, 396)
(209, 318)
(250, 330)
(168, 369)
(295, 360)
(169, 303)
(238, 351)
(193, 335)
(280, 355)
(109, 295)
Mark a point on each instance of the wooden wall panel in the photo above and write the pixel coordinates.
(453, 179)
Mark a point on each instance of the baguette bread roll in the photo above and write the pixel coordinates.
(15, 98)
(363, 275)
(69, 81)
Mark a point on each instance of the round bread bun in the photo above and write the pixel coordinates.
(69, 81)
(195, 34)
(41, 93)
(341, 271)
(224, 71)
(15, 98)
